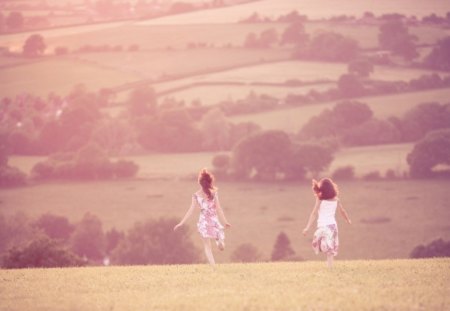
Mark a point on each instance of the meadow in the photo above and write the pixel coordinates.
(383, 106)
(390, 217)
(312, 8)
(351, 285)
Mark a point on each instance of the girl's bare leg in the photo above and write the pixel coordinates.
(208, 251)
(330, 258)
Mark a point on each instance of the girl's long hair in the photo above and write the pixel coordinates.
(206, 181)
(325, 189)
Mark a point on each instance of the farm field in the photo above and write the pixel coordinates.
(312, 8)
(172, 165)
(210, 95)
(293, 119)
(59, 76)
(411, 212)
(352, 285)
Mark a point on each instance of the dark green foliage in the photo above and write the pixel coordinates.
(439, 57)
(263, 154)
(42, 252)
(330, 46)
(88, 239)
(282, 248)
(436, 248)
(350, 86)
(54, 226)
(34, 45)
(394, 36)
(432, 150)
(246, 252)
(155, 242)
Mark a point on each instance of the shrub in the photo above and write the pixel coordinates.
(88, 239)
(125, 169)
(436, 248)
(282, 248)
(11, 177)
(374, 175)
(55, 227)
(344, 173)
(42, 252)
(246, 253)
(154, 242)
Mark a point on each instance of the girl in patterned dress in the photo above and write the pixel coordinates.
(208, 225)
(326, 238)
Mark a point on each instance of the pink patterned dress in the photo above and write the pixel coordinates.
(326, 238)
(208, 224)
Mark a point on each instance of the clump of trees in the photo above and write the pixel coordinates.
(53, 241)
(270, 155)
(9, 176)
(429, 152)
(282, 250)
(436, 248)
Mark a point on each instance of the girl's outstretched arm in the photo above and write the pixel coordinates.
(344, 213)
(187, 215)
(313, 216)
(221, 214)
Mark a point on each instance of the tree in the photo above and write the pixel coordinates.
(332, 46)
(372, 132)
(350, 86)
(268, 38)
(334, 123)
(436, 248)
(394, 36)
(216, 130)
(2, 22)
(360, 67)
(142, 101)
(246, 252)
(263, 153)
(438, 58)
(88, 239)
(54, 226)
(282, 248)
(34, 45)
(425, 117)
(14, 231)
(313, 157)
(295, 34)
(432, 150)
(14, 20)
(42, 252)
(113, 237)
(154, 242)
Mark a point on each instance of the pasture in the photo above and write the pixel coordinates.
(293, 119)
(390, 217)
(351, 285)
(312, 8)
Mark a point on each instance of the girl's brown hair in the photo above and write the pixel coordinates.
(325, 189)
(206, 180)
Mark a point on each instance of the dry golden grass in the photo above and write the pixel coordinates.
(351, 285)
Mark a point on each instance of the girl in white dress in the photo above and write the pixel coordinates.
(208, 225)
(326, 237)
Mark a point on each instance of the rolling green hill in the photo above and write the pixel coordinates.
(350, 285)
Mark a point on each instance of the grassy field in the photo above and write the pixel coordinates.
(210, 95)
(312, 8)
(351, 285)
(58, 75)
(390, 218)
(293, 119)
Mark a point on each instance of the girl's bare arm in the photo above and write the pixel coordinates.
(312, 216)
(187, 215)
(344, 213)
(221, 213)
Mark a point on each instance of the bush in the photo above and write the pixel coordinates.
(42, 252)
(125, 169)
(55, 227)
(436, 248)
(374, 175)
(246, 253)
(11, 177)
(344, 173)
(282, 248)
(154, 242)
(88, 239)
